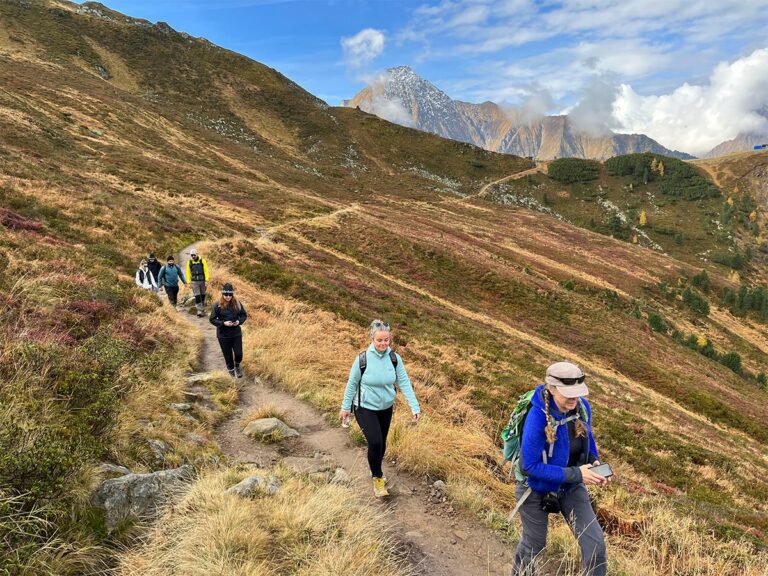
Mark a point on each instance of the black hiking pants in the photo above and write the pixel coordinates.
(233, 350)
(173, 293)
(375, 426)
(578, 513)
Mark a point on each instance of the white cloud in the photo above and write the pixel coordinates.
(391, 110)
(695, 118)
(535, 103)
(362, 48)
(593, 113)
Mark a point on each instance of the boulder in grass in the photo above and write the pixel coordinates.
(269, 429)
(253, 485)
(137, 496)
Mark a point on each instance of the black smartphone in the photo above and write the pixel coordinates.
(602, 469)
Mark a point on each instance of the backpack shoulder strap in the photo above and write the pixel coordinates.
(362, 360)
(393, 358)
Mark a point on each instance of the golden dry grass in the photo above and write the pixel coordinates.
(308, 352)
(305, 529)
(263, 411)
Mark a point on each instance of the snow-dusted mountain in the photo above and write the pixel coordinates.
(402, 96)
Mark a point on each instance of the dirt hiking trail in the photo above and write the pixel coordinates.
(438, 540)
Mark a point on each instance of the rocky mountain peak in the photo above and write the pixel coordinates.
(400, 95)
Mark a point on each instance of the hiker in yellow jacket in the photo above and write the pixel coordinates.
(197, 275)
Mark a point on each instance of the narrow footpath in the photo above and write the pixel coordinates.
(439, 540)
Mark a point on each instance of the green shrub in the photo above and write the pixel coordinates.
(695, 302)
(676, 178)
(701, 280)
(731, 360)
(656, 322)
(735, 261)
(570, 170)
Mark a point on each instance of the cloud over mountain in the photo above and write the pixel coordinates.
(695, 118)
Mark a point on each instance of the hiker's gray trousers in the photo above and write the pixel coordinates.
(198, 289)
(578, 513)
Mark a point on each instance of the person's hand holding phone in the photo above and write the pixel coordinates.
(590, 477)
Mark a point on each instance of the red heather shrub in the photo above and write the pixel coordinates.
(129, 330)
(44, 336)
(11, 219)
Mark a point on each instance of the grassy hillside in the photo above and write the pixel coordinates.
(118, 137)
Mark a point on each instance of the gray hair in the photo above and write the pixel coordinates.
(378, 326)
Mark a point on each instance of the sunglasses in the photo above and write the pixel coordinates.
(571, 381)
(227, 295)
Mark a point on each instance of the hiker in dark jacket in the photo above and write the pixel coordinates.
(154, 266)
(556, 454)
(228, 315)
(169, 277)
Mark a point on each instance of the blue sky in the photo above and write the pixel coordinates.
(514, 51)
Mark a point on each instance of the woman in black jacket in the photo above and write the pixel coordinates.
(227, 315)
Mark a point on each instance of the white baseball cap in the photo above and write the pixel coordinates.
(568, 378)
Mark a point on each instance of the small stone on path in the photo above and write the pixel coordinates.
(181, 407)
(198, 377)
(264, 427)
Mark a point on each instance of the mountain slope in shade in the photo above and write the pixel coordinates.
(402, 96)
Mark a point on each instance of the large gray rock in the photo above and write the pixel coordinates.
(138, 495)
(256, 485)
(269, 427)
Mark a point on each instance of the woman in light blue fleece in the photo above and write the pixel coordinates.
(370, 395)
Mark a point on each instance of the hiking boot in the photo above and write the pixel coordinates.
(238, 372)
(232, 372)
(379, 490)
(199, 313)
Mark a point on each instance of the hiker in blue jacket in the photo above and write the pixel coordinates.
(370, 395)
(556, 454)
(169, 277)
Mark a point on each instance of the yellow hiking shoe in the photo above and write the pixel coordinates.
(379, 489)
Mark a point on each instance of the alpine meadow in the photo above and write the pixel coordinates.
(119, 137)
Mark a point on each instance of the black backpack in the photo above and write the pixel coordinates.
(363, 361)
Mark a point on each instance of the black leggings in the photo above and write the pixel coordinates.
(233, 350)
(375, 426)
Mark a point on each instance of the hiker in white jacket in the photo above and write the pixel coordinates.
(144, 278)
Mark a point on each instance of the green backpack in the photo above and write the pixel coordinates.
(512, 435)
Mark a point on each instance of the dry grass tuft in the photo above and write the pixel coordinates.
(303, 530)
(263, 411)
